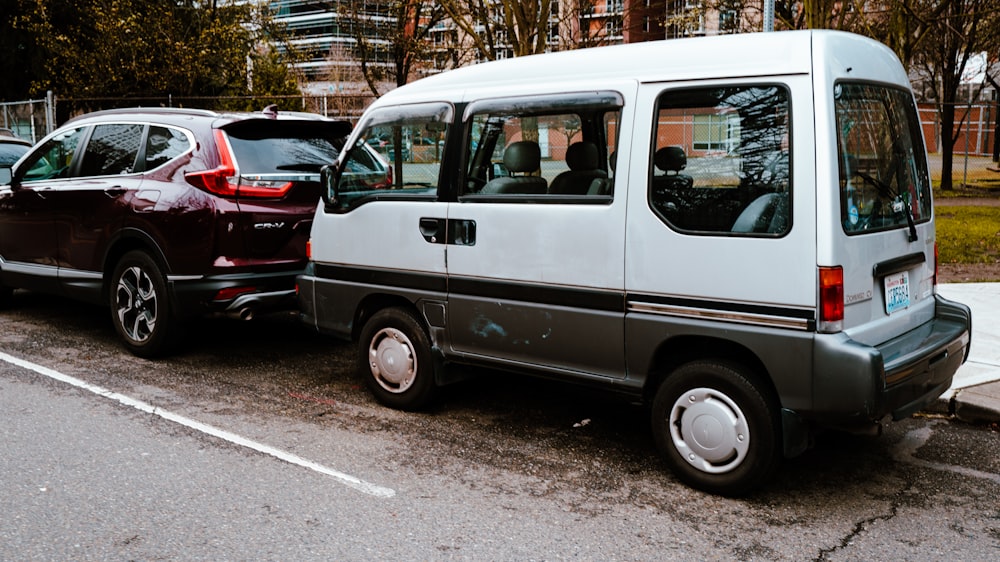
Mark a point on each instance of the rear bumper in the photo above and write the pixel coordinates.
(856, 385)
(264, 292)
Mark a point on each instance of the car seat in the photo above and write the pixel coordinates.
(522, 157)
(582, 159)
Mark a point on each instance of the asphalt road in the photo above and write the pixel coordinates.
(258, 443)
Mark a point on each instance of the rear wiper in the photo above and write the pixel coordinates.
(895, 198)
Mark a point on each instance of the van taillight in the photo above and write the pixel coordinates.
(831, 299)
(309, 249)
(223, 180)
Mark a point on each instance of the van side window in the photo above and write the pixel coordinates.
(554, 150)
(884, 182)
(398, 154)
(720, 160)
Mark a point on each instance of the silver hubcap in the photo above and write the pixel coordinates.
(709, 430)
(392, 361)
(136, 303)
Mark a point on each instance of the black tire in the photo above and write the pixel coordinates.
(717, 429)
(394, 357)
(140, 306)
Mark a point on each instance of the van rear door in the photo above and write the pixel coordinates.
(886, 242)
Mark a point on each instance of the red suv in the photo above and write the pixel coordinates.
(165, 214)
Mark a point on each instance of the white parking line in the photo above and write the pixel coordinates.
(346, 479)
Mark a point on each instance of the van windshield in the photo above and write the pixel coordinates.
(883, 170)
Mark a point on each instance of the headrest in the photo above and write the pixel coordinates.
(670, 159)
(582, 156)
(522, 157)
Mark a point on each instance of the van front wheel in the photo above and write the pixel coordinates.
(718, 431)
(395, 359)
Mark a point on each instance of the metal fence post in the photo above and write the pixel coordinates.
(50, 112)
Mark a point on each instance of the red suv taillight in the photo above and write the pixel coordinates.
(224, 181)
(831, 299)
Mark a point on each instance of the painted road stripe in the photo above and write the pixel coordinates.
(346, 479)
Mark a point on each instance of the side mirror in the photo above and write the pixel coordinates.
(328, 176)
(6, 175)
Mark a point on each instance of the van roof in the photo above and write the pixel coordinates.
(723, 56)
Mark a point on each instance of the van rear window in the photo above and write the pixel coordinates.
(883, 170)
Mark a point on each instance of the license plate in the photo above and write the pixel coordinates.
(897, 292)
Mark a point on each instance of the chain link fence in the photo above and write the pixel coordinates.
(976, 149)
(30, 119)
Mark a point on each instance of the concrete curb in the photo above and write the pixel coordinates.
(975, 404)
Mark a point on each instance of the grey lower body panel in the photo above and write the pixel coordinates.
(819, 379)
(856, 384)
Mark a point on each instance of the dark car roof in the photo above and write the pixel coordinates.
(6, 137)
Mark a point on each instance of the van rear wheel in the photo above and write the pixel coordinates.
(395, 359)
(717, 430)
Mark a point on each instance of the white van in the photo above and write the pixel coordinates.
(737, 231)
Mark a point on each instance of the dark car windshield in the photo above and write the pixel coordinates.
(10, 152)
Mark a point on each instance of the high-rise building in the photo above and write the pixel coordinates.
(331, 37)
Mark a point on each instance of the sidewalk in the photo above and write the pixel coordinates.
(975, 393)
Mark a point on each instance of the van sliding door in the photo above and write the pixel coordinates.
(541, 285)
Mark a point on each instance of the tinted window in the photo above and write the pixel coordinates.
(284, 154)
(164, 144)
(719, 162)
(112, 150)
(55, 156)
(883, 173)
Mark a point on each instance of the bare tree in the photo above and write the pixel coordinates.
(963, 29)
(348, 82)
(496, 27)
(403, 45)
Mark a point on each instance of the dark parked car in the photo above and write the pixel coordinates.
(166, 214)
(11, 147)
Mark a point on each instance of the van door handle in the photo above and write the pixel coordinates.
(432, 229)
(114, 191)
(462, 232)
(458, 232)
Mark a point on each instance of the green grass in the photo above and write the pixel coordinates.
(967, 234)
